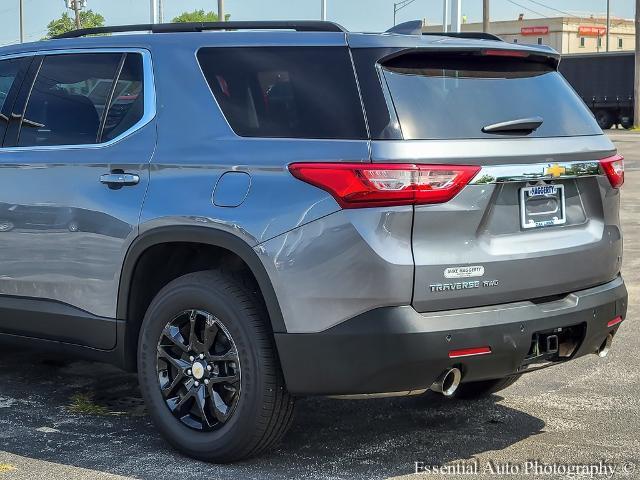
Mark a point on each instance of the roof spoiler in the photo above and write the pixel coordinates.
(550, 57)
(413, 27)
(475, 35)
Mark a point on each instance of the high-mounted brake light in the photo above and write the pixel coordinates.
(505, 53)
(614, 168)
(359, 185)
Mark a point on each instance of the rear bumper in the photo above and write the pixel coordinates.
(394, 349)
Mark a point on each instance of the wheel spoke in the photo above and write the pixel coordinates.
(167, 390)
(228, 379)
(178, 408)
(172, 333)
(210, 332)
(178, 363)
(218, 406)
(231, 355)
(200, 397)
(193, 339)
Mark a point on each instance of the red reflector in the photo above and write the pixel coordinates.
(505, 53)
(358, 185)
(614, 168)
(614, 322)
(468, 352)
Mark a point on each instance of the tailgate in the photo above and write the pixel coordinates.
(540, 219)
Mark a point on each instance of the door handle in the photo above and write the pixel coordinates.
(119, 179)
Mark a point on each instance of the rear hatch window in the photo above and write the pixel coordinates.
(454, 96)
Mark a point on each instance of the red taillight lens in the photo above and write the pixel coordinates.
(614, 168)
(359, 185)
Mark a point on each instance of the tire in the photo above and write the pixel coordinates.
(626, 122)
(258, 407)
(604, 119)
(484, 388)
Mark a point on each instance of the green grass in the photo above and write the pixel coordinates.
(82, 403)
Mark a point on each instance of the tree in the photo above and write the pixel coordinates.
(64, 24)
(198, 16)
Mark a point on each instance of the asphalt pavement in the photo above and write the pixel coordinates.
(71, 419)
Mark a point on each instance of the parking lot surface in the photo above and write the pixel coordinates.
(70, 419)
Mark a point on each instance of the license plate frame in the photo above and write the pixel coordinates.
(530, 220)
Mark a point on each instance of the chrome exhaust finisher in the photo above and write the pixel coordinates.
(448, 382)
(603, 350)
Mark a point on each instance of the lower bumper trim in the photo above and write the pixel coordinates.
(396, 349)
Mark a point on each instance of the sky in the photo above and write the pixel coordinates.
(356, 15)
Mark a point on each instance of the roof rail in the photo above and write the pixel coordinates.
(478, 35)
(299, 26)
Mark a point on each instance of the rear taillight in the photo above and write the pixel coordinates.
(359, 185)
(614, 168)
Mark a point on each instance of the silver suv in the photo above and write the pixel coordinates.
(253, 211)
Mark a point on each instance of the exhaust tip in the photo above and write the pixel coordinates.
(603, 350)
(448, 382)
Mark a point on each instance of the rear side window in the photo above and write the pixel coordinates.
(9, 70)
(455, 96)
(81, 99)
(288, 92)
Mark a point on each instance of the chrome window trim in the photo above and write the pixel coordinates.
(536, 171)
(148, 89)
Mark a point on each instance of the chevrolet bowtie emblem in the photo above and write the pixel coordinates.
(555, 170)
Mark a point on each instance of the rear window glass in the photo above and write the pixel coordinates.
(295, 92)
(454, 97)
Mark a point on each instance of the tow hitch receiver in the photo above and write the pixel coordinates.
(553, 346)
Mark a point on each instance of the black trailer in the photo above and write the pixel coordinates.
(605, 83)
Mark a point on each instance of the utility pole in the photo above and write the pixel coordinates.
(455, 15)
(221, 11)
(153, 11)
(636, 82)
(485, 16)
(75, 5)
(323, 10)
(76, 10)
(608, 23)
(445, 16)
(21, 21)
(160, 11)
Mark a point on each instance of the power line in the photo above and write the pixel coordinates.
(399, 6)
(528, 9)
(554, 9)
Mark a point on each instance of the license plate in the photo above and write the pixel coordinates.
(542, 206)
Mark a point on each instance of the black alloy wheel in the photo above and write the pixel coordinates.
(198, 370)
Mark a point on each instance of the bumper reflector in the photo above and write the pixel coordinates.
(469, 352)
(614, 322)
